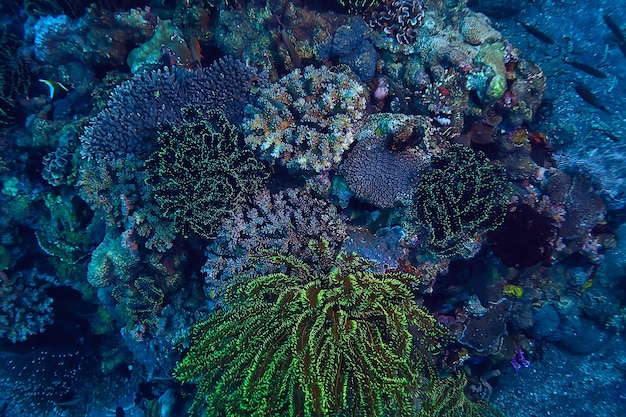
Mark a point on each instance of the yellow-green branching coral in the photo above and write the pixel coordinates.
(305, 343)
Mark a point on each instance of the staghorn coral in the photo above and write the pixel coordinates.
(137, 108)
(301, 342)
(202, 171)
(284, 221)
(461, 196)
(388, 158)
(307, 119)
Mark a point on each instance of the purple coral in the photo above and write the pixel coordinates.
(139, 107)
(519, 360)
(284, 221)
(383, 168)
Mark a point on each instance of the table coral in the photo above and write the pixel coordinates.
(307, 119)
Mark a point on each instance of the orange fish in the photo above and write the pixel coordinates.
(196, 52)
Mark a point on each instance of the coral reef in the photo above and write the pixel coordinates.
(137, 108)
(461, 196)
(14, 78)
(307, 119)
(398, 19)
(304, 343)
(525, 237)
(388, 158)
(284, 221)
(38, 381)
(98, 37)
(202, 171)
(25, 309)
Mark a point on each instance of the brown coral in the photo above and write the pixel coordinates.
(384, 165)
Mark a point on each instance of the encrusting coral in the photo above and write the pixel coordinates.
(201, 171)
(307, 119)
(304, 343)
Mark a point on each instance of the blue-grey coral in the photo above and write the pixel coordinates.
(138, 108)
(284, 221)
(25, 308)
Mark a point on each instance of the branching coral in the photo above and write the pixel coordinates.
(305, 343)
(25, 308)
(307, 119)
(461, 196)
(138, 108)
(202, 171)
(284, 221)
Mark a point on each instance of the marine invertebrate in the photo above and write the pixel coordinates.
(14, 78)
(387, 159)
(307, 119)
(446, 398)
(138, 108)
(461, 196)
(398, 19)
(476, 30)
(25, 309)
(284, 221)
(202, 171)
(59, 167)
(135, 111)
(301, 342)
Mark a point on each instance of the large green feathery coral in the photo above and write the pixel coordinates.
(201, 171)
(300, 343)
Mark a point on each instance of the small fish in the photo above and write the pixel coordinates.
(587, 95)
(587, 68)
(537, 33)
(614, 27)
(196, 52)
(291, 49)
(55, 89)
